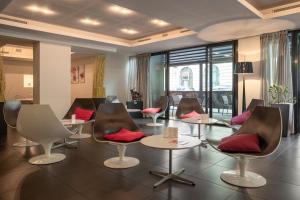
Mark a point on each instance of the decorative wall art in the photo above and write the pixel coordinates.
(77, 74)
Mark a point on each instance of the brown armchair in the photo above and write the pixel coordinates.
(187, 105)
(267, 122)
(111, 117)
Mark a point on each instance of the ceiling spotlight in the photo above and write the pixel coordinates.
(159, 22)
(120, 10)
(129, 31)
(40, 9)
(89, 21)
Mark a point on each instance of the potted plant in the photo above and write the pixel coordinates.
(280, 98)
(3, 126)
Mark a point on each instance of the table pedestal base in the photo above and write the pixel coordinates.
(173, 176)
(80, 136)
(65, 143)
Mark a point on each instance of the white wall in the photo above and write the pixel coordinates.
(14, 71)
(52, 64)
(115, 78)
(249, 50)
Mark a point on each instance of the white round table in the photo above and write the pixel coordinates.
(80, 123)
(199, 122)
(170, 144)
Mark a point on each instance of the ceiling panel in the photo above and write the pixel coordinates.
(69, 12)
(264, 4)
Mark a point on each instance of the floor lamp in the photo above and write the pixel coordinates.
(244, 68)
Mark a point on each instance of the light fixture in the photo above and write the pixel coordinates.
(129, 31)
(40, 9)
(120, 10)
(159, 22)
(89, 21)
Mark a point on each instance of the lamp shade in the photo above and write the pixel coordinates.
(243, 68)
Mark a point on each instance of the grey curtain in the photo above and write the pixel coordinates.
(275, 62)
(143, 62)
(132, 75)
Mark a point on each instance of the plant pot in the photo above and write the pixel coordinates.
(3, 126)
(285, 113)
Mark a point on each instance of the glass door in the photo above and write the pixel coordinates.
(157, 77)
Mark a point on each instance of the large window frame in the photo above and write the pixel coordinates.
(208, 91)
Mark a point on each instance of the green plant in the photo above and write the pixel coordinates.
(280, 94)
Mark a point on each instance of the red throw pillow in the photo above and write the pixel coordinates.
(241, 143)
(190, 115)
(125, 135)
(151, 110)
(83, 114)
(240, 119)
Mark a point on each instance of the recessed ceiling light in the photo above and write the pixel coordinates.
(89, 21)
(120, 10)
(159, 22)
(40, 9)
(129, 31)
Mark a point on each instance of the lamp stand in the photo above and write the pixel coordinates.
(244, 95)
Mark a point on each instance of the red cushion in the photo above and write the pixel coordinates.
(151, 110)
(83, 114)
(125, 135)
(241, 143)
(190, 115)
(240, 119)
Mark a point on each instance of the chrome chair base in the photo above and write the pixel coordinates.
(44, 159)
(249, 180)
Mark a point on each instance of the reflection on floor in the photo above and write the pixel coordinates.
(83, 176)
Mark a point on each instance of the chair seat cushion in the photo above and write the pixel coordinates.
(241, 143)
(151, 110)
(83, 114)
(240, 119)
(125, 135)
(190, 115)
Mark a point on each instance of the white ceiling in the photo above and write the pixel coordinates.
(201, 16)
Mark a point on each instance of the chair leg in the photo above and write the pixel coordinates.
(154, 118)
(121, 162)
(47, 157)
(241, 177)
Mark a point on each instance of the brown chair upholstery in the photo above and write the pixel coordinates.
(84, 103)
(98, 101)
(187, 105)
(267, 122)
(254, 103)
(111, 117)
(11, 111)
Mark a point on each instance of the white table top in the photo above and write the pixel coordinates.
(68, 122)
(133, 110)
(159, 142)
(199, 121)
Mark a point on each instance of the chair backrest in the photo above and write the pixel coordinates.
(111, 117)
(254, 103)
(111, 98)
(163, 103)
(11, 111)
(84, 103)
(187, 105)
(39, 124)
(267, 122)
(98, 101)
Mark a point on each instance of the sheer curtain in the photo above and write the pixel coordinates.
(143, 62)
(132, 76)
(275, 62)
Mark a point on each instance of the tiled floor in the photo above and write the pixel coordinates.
(82, 174)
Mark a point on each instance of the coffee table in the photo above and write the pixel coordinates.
(170, 144)
(199, 122)
(79, 123)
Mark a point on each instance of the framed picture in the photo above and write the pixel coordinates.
(81, 71)
(74, 74)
